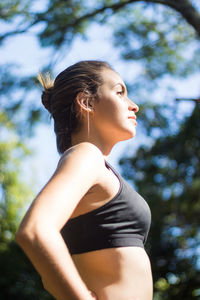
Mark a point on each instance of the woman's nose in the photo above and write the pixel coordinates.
(136, 108)
(133, 106)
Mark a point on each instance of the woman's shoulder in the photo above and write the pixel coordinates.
(90, 148)
(84, 154)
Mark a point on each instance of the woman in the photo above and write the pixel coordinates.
(86, 229)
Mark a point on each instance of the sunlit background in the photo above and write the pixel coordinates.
(23, 56)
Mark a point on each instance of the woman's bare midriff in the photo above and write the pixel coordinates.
(122, 273)
(116, 273)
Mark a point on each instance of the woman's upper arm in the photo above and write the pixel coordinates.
(77, 171)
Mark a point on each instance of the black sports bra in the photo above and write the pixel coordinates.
(123, 221)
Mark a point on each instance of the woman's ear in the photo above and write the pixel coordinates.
(85, 102)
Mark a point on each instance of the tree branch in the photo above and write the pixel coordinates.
(188, 12)
(19, 31)
(77, 21)
(184, 7)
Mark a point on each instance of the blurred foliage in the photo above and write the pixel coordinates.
(162, 38)
(12, 152)
(18, 279)
(159, 39)
(17, 101)
(167, 174)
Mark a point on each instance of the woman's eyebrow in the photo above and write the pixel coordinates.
(122, 85)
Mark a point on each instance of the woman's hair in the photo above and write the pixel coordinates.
(59, 96)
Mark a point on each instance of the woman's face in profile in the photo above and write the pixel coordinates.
(114, 113)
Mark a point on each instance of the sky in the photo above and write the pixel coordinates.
(25, 51)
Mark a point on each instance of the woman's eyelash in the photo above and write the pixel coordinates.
(120, 92)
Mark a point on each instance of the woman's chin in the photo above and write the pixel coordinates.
(131, 134)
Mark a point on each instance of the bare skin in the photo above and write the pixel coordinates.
(118, 273)
(109, 274)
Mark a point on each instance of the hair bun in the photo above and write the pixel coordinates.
(46, 99)
(48, 85)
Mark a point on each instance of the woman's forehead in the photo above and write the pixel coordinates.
(111, 77)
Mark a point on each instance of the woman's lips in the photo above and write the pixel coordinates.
(134, 120)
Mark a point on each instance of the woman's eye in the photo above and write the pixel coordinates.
(120, 93)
